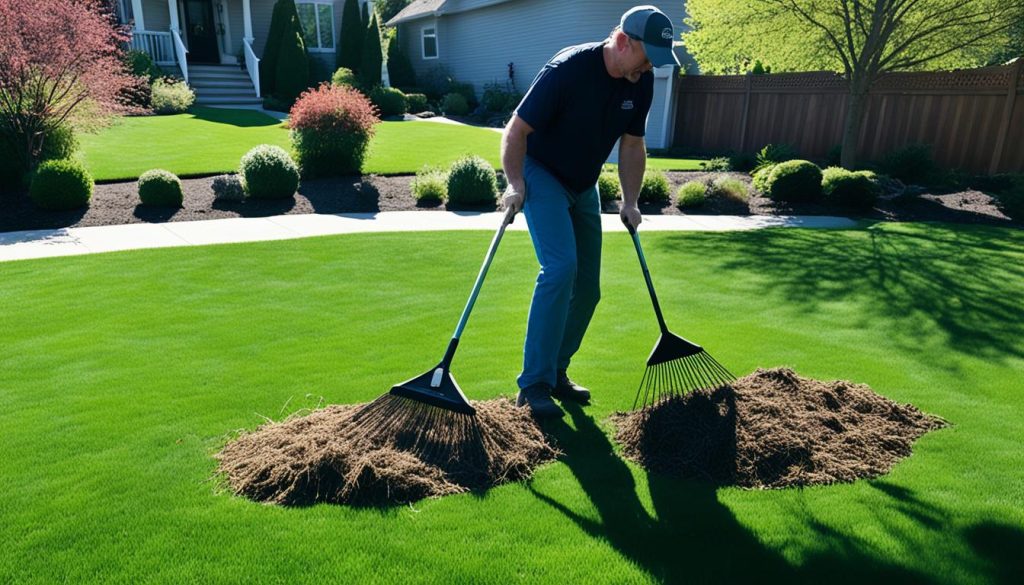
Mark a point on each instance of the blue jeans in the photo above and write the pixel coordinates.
(566, 232)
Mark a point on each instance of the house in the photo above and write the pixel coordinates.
(476, 40)
(206, 40)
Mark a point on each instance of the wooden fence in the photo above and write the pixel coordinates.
(973, 119)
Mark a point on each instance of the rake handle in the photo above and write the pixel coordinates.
(647, 276)
(454, 343)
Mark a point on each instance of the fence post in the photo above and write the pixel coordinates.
(746, 110)
(1011, 99)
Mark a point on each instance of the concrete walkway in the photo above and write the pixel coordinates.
(89, 240)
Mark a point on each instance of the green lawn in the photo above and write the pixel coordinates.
(123, 373)
(210, 140)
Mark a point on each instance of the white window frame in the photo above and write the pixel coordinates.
(423, 42)
(316, 14)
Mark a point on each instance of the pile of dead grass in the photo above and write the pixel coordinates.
(390, 451)
(774, 429)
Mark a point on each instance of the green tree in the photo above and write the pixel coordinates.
(373, 58)
(350, 43)
(400, 70)
(861, 39)
(387, 9)
(293, 62)
(272, 48)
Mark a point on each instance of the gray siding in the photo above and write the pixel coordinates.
(262, 10)
(234, 14)
(476, 46)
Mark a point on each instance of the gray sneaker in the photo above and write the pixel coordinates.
(538, 398)
(566, 389)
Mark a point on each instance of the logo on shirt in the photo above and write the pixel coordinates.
(627, 105)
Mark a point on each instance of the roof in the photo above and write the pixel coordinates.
(418, 9)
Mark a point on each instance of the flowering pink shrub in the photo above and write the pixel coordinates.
(331, 128)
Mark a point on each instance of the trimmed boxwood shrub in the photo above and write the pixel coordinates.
(455, 104)
(761, 179)
(691, 194)
(853, 189)
(160, 187)
(331, 128)
(389, 101)
(417, 102)
(59, 185)
(228, 188)
(267, 172)
(472, 181)
(655, 188)
(608, 186)
(171, 96)
(344, 77)
(430, 185)
(60, 143)
(795, 180)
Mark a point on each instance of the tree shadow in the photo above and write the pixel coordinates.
(958, 281)
(1003, 546)
(239, 118)
(690, 536)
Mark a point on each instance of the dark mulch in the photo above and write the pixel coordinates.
(774, 429)
(390, 451)
(118, 203)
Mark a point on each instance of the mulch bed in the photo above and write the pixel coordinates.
(390, 451)
(774, 429)
(118, 203)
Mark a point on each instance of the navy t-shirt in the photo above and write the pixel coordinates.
(577, 111)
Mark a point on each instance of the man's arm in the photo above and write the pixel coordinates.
(632, 163)
(513, 154)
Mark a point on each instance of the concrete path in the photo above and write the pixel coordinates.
(89, 240)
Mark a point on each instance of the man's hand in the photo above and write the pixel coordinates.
(630, 215)
(513, 198)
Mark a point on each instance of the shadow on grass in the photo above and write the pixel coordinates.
(691, 536)
(960, 283)
(239, 118)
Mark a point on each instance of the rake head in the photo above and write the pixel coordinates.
(438, 388)
(677, 367)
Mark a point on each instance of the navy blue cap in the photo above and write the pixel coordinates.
(650, 26)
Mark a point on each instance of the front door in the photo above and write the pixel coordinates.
(201, 32)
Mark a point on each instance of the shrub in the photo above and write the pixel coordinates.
(655, 187)
(730, 188)
(389, 101)
(1011, 199)
(430, 185)
(400, 70)
(497, 98)
(60, 143)
(910, 164)
(472, 180)
(160, 187)
(455, 104)
(742, 162)
(228, 188)
(773, 154)
(59, 185)
(795, 180)
(372, 58)
(417, 102)
(762, 178)
(691, 194)
(171, 96)
(344, 77)
(717, 164)
(608, 186)
(843, 187)
(292, 63)
(331, 128)
(142, 65)
(267, 172)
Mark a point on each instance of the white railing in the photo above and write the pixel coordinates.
(158, 45)
(252, 65)
(181, 51)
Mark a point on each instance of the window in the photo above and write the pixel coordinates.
(430, 43)
(317, 20)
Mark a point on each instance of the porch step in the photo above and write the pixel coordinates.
(221, 84)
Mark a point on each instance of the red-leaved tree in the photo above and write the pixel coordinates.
(56, 56)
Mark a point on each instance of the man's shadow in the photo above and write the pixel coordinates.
(690, 536)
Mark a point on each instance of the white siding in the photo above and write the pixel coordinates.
(156, 14)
